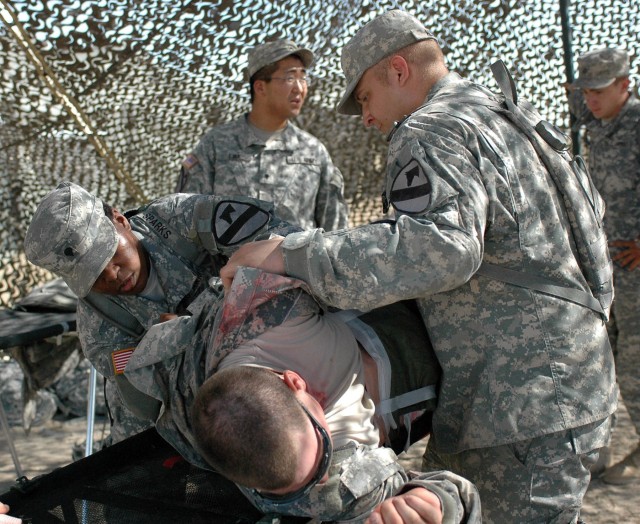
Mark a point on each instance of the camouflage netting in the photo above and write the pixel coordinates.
(112, 94)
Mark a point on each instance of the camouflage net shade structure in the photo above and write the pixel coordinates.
(112, 94)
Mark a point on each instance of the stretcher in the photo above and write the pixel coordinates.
(140, 480)
(48, 311)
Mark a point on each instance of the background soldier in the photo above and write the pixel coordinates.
(264, 155)
(603, 101)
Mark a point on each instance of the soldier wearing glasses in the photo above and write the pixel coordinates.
(263, 155)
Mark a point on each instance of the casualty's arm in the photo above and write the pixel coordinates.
(418, 505)
(459, 497)
(5, 518)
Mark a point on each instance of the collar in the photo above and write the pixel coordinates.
(449, 79)
(278, 140)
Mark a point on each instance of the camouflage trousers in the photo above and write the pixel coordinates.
(542, 480)
(624, 334)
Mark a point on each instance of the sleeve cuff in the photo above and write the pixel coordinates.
(294, 253)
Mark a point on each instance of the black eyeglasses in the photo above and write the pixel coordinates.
(325, 462)
(291, 79)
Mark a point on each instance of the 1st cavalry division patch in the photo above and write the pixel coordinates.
(411, 190)
(234, 222)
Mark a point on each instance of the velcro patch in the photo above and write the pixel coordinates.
(299, 159)
(190, 161)
(120, 359)
(234, 222)
(411, 189)
(160, 228)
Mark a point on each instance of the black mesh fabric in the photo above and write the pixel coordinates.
(138, 481)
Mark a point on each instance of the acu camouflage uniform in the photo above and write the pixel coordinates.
(167, 230)
(614, 162)
(175, 358)
(292, 169)
(517, 364)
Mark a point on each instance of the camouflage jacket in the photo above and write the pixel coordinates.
(614, 163)
(294, 171)
(516, 363)
(175, 357)
(167, 228)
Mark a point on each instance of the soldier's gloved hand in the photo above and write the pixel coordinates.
(6, 519)
(418, 505)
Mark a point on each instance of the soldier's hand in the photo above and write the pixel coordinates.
(262, 254)
(416, 506)
(6, 519)
(167, 316)
(629, 254)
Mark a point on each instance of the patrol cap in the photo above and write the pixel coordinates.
(269, 53)
(376, 40)
(71, 236)
(599, 68)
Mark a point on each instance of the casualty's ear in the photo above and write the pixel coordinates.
(294, 381)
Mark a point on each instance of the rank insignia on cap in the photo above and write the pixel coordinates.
(234, 222)
(190, 161)
(120, 359)
(411, 189)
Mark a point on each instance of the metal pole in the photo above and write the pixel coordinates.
(67, 100)
(91, 411)
(12, 449)
(567, 38)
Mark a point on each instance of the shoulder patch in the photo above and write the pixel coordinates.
(234, 222)
(410, 190)
(190, 161)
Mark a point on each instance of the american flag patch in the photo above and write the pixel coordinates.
(120, 359)
(190, 161)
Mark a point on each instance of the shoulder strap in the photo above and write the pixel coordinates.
(406, 399)
(115, 314)
(545, 138)
(572, 180)
(140, 404)
(541, 284)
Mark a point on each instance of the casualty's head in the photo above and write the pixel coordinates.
(263, 430)
(278, 78)
(86, 242)
(389, 66)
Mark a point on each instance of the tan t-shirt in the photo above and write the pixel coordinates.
(322, 350)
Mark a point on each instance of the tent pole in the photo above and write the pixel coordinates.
(565, 19)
